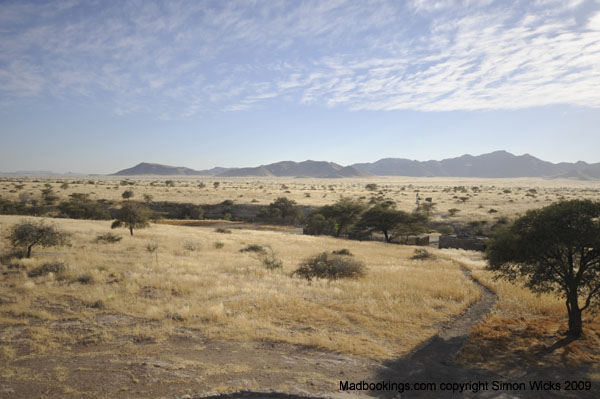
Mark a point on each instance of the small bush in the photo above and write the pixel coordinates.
(108, 238)
(223, 230)
(50, 267)
(191, 245)
(99, 304)
(219, 245)
(343, 251)
(453, 211)
(330, 266)
(152, 246)
(254, 248)
(422, 254)
(270, 261)
(15, 253)
(445, 229)
(85, 278)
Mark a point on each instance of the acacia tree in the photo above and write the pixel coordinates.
(127, 194)
(132, 215)
(411, 224)
(28, 234)
(282, 210)
(342, 215)
(382, 217)
(554, 249)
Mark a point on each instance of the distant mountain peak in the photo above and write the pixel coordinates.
(496, 164)
(147, 168)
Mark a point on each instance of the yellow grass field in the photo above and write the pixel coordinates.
(228, 294)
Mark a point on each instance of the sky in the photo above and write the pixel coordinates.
(99, 86)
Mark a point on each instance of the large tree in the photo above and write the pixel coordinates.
(554, 249)
(29, 234)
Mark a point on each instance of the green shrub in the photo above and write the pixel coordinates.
(223, 230)
(330, 266)
(50, 267)
(343, 251)
(219, 245)
(253, 248)
(422, 254)
(108, 238)
(269, 260)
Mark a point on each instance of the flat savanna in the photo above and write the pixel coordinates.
(176, 310)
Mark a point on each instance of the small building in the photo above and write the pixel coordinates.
(468, 243)
(421, 240)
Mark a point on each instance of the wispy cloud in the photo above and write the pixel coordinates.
(179, 59)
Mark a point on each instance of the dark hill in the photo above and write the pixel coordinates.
(498, 164)
(306, 169)
(145, 168)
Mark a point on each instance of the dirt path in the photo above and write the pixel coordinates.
(433, 362)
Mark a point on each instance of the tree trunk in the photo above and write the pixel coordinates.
(29, 251)
(575, 325)
(131, 230)
(387, 237)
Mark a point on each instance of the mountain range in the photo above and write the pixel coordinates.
(498, 164)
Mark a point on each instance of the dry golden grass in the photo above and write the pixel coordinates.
(228, 294)
(507, 196)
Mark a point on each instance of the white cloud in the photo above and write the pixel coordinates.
(594, 22)
(184, 58)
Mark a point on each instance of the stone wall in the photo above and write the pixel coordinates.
(469, 243)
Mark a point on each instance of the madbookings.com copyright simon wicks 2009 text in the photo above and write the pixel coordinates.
(470, 386)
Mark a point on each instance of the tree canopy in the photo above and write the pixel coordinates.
(132, 215)
(383, 217)
(336, 219)
(282, 210)
(28, 234)
(554, 249)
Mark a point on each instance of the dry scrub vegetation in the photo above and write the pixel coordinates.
(475, 199)
(177, 277)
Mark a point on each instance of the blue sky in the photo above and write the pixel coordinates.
(97, 86)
